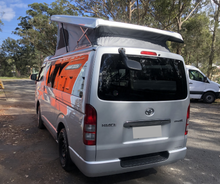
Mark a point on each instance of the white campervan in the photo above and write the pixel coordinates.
(113, 96)
(200, 86)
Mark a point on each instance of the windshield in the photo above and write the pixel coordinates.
(159, 79)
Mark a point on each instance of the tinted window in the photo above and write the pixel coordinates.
(41, 73)
(160, 79)
(53, 73)
(196, 75)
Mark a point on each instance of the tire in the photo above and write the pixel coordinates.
(64, 154)
(40, 123)
(209, 97)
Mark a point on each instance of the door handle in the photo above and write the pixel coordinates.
(190, 83)
(44, 88)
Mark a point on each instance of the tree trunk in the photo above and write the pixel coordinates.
(138, 13)
(129, 11)
(179, 26)
(212, 50)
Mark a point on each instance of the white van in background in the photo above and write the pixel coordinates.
(200, 86)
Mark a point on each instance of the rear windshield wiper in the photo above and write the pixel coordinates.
(131, 64)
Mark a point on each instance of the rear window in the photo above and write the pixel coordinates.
(160, 79)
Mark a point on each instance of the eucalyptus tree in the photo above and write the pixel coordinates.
(168, 15)
(5, 66)
(197, 39)
(19, 55)
(36, 27)
(1, 23)
(215, 6)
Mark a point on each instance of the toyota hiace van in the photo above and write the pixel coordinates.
(113, 96)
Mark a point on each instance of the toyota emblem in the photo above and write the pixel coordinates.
(149, 112)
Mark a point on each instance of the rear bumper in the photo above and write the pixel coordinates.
(109, 167)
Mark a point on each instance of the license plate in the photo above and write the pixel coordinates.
(147, 132)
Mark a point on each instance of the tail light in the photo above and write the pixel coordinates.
(149, 53)
(187, 120)
(90, 123)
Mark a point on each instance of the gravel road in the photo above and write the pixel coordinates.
(29, 155)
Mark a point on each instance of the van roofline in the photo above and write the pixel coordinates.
(70, 53)
(93, 48)
(93, 23)
(191, 67)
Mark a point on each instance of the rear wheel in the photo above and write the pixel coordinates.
(64, 154)
(40, 123)
(209, 97)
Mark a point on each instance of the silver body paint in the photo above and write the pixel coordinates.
(113, 141)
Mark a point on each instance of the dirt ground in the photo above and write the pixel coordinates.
(29, 155)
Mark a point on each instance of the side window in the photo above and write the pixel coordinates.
(41, 73)
(64, 76)
(79, 84)
(53, 74)
(49, 77)
(63, 33)
(196, 75)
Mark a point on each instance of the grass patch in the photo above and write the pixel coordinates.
(14, 77)
(217, 101)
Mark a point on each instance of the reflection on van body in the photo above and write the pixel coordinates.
(114, 112)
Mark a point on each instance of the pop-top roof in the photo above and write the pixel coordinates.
(97, 22)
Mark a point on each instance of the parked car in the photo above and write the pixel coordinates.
(113, 96)
(200, 86)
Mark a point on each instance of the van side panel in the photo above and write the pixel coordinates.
(66, 94)
(64, 98)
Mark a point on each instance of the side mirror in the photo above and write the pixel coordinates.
(205, 79)
(33, 77)
(131, 64)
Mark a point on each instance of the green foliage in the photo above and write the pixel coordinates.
(36, 28)
(1, 23)
(197, 38)
(130, 11)
(5, 66)
(18, 58)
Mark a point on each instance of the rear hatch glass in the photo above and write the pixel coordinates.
(160, 79)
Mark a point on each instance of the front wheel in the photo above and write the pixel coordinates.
(40, 123)
(209, 97)
(64, 154)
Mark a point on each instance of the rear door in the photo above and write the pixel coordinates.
(138, 112)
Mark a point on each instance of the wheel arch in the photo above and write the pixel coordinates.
(208, 92)
(59, 128)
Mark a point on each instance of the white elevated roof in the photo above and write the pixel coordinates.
(191, 67)
(97, 22)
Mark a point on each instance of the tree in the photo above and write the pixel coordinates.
(129, 11)
(197, 39)
(36, 28)
(168, 15)
(1, 23)
(5, 66)
(215, 16)
(19, 55)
